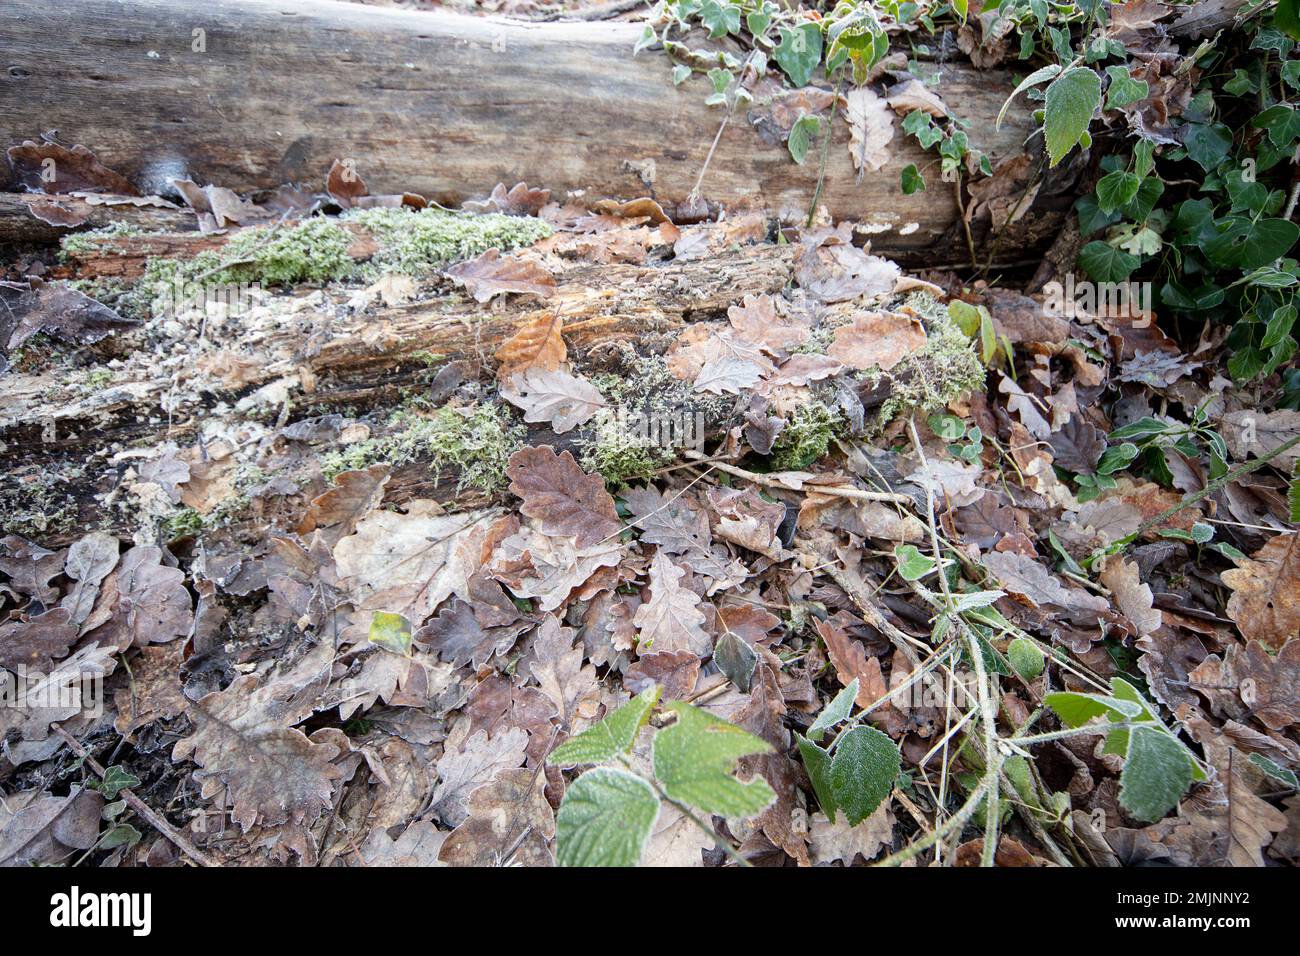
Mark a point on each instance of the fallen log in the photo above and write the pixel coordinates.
(443, 105)
(31, 218)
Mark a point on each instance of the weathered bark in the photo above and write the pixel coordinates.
(370, 357)
(439, 104)
(19, 225)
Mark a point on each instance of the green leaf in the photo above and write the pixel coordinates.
(736, 659)
(912, 564)
(911, 180)
(838, 709)
(1157, 771)
(1293, 493)
(115, 781)
(681, 73)
(1207, 143)
(1145, 427)
(121, 835)
(720, 18)
(1248, 244)
(1116, 458)
(693, 760)
(605, 819)
(392, 632)
(1033, 79)
(1275, 770)
(1117, 189)
(1287, 18)
(1105, 263)
(1123, 89)
(799, 52)
(612, 736)
(1026, 659)
(801, 136)
(863, 771)
(818, 764)
(1071, 100)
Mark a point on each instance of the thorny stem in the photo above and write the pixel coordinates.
(1209, 489)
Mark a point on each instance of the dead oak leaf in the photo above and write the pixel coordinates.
(876, 340)
(1268, 685)
(36, 642)
(73, 170)
(509, 824)
(547, 567)
(561, 496)
(1265, 602)
(675, 671)
(561, 400)
(557, 666)
(272, 773)
(871, 129)
(536, 344)
(852, 662)
(1133, 597)
(491, 274)
(671, 620)
(838, 841)
(463, 771)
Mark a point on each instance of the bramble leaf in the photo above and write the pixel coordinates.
(605, 819)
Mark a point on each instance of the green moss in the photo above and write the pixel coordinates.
(414, 242)
(477, 442)
(621, 457)
(806, 437)
(185, 522)
(944, 371)
(83, 243)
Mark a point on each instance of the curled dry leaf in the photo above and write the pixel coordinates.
(562, 400)
(537, 344)
(1265, 601)
(492, 274)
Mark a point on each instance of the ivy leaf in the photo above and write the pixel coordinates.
(605, 819)
(612, 736)
(1124, 90)
(863, 771)
(1104, 263)
(837, 710)
(1117, 189)
(1156, 773)
(1247, 244)
(912, 180)
(1116, 458)
(1071, 100)
(392, 632)
(1207, 143)
(799, 52)
(693, 760)
(721, 19)
(801, 134)
(912, 564)
(115, 781)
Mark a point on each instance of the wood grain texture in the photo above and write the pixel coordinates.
(436, 103)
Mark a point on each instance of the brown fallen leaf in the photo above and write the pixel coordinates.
(671, 620)
(562, 400)
(518, 201)
(51, 168)
(509, 824)
(492, 274)
(1133, 597)
(538, 344)
(838, 841)
(1265, 602)
(1269, 685)
(37, 641)
(561, 496)
(877, 340)
(675, 671)
(871, 128)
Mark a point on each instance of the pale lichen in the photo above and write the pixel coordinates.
(414, 242)
(807, 436)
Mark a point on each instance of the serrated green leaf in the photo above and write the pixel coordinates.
(1071, 100)
(392, 632)
(818, 764)
(1033, 79)
(1157, 771)
(838, 709)
(863, 771)
(694, 759)
(1025, 658)
(612, 736)
(605, 819)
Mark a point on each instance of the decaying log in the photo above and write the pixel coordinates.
(254, 94)
(19, 225)
(371, 356)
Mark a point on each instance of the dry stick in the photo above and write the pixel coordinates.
(136, 804)
(839, 491)
(1211, 488)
